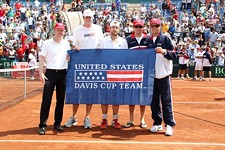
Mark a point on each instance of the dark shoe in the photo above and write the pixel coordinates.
(59, 128)
(41, 131)
(129, 124)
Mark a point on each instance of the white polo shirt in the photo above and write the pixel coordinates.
(55, 53)
(108, 43)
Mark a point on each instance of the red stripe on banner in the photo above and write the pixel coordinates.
(125, 72)
(124, 79)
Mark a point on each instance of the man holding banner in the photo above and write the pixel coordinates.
(110, 76)
(86, 36)
(137, 40)
(113, 41)
(162, 82)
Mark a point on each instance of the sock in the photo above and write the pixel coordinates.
(115, 117)
(104, 116)
(182, 75)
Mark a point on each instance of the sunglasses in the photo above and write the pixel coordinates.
(154, 26)
(138, 26)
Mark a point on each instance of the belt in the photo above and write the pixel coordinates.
(57, 70)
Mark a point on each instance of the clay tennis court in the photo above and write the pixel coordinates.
(198, 108)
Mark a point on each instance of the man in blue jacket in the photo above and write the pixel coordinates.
(162, 83)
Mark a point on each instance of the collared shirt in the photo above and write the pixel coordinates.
(107, 42)
(213, 36)
(134, 44)
(55, 53)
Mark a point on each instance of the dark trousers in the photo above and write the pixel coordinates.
(56, 78)
(162, 95)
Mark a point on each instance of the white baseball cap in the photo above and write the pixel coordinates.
(114, 23)
(88, 13)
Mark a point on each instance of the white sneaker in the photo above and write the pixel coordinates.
(182, 78)
(71, 122)
(156, 128)
(169, 130)
(178, 78)
(87, 123)
(32, 78)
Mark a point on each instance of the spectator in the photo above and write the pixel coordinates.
(221, 58)
(36, 4)
(128, 30)
(1, 49)
(198, 64)
(12, 54)
(207, 61)
(192, 53)
(165, 27)
(212, 37)
(3, 35)
(20, 54)
(183, 61)
(32, 63)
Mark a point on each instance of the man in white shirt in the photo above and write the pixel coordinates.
(143, 9)
(212, 37)
(3, 35)
(198, 64)
(86, 36)
(127, 30)
(30, 21)
(32, 63)
(36, 3)
(54, 53)
(113, 41)
(23, 13)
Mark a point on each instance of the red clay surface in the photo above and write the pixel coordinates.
(198, 108)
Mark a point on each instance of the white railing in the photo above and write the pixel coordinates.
(25, 75)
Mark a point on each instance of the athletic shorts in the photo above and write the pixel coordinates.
(198, 66)
(182, 66)
(206, 68)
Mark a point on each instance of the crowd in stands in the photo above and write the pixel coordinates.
(192, 26)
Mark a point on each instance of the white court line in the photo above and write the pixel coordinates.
(194, 87)
(39, 100)
(219, 89)
(198, 103)
(113, 142)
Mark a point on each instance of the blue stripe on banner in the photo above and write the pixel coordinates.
(107, 76)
